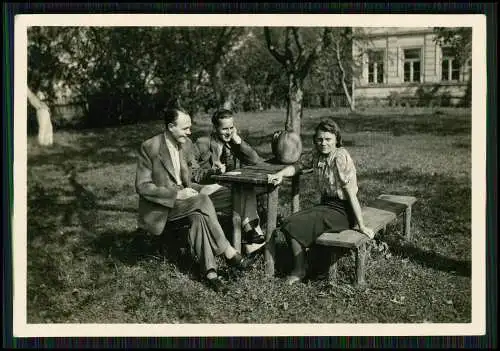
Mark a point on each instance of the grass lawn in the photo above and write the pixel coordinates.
(86, 264)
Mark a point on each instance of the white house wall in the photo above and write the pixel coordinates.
(394, 46)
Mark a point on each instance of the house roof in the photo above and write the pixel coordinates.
(391, 31)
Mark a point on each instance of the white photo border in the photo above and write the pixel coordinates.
(19, 222)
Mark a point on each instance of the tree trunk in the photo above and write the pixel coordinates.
(224, 98)
(216, 79)
(228, 101)
(294, 104)
(353, 100)
(45, 130)
(349, 97)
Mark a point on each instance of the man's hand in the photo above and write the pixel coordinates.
(275, 178)
(186, 193)
(220, 167)
(236, 138)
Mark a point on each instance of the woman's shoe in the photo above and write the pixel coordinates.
(239, 262)
(297, 277)
(292, 279)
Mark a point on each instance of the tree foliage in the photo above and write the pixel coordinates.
(458, 39)
(125, 74)
(254, 75)
(300, 50)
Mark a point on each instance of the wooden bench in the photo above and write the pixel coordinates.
(377, 214)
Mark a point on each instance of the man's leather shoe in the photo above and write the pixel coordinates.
(217, 285)
(239, 262)
(253, 237)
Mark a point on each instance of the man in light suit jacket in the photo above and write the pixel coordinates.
(166, 194)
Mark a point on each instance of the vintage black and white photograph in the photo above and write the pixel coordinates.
(251, 173)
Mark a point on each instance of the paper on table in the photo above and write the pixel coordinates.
(210, 188)
(233, 173)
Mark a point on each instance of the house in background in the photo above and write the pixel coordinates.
(404, 66)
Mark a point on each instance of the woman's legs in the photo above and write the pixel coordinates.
(302, 228)
(299, 269)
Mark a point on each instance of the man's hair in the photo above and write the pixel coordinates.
(329, 125)
(171, 114)
(221, 114)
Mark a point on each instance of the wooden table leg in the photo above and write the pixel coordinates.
(272, 214)
(235, 194)
(295, 193)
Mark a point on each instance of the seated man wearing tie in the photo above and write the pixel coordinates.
(217, 154)
(166, 194)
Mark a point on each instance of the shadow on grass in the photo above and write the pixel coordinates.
(440, 198)
(444, 196)
(43, 205)
(442, 212)
(81, 203)
(131, 247)
(429, 259)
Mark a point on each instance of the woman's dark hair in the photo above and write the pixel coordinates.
(221, 114)
(328, 125)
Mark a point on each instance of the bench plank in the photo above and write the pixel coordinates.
(377, 214)
(373, 217)
(388, 206)
(346, 238)
(406, 200)
(376, 218)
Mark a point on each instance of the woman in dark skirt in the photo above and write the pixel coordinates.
(335, 178)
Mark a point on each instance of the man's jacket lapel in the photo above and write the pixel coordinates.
(166, 158)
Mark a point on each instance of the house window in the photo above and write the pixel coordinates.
(450, 67)
(376, 67)
(412, 67)
(467, 73)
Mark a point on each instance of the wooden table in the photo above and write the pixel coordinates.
(257, 176)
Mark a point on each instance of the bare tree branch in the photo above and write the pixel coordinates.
(216, 64)
(272, 49)
(324, 42)
(222, 41)
(344, 75)
(290, 62)
(298, 41)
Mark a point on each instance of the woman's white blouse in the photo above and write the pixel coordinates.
(334, 173)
